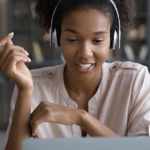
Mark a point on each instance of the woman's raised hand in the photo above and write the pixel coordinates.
(12, 59)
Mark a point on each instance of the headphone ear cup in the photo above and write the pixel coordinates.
(114, 39)
(53, 38)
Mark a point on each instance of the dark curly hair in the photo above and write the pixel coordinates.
(45, 8)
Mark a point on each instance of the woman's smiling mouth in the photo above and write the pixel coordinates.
(85, 67)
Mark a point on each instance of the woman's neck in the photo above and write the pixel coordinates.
(81, 88)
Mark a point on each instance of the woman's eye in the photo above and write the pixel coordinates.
(97, 41)
(72, 40)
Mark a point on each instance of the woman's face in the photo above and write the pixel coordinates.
(85, 41)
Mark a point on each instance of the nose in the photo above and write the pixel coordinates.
(85, 50)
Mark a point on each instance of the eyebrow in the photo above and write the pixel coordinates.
(97, 33)
(100, 32)
(71, 30)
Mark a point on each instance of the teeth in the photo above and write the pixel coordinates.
(85, 65)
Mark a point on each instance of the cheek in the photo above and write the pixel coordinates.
(103, 51)
(102, 54)
(67, 52)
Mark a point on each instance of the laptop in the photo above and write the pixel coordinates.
(121, 143)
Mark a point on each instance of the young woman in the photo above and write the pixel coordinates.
(85, 96)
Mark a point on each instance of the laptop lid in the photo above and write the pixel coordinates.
(135, 143)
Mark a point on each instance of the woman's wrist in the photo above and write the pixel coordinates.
(81, 116)
(26, 88)
(26, 92)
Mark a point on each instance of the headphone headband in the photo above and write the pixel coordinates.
(118, 18)
(51, 24)
(119, 24)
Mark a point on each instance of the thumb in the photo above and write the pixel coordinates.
(7, 39)
(10, 42)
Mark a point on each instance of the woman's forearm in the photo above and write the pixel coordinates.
(19, 129)
(93, 126)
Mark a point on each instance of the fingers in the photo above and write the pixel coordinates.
(10, 56)
(38, 134)
(7, 47)
(39, 115)
(11, 61)
(6, 39)
(10, 42)
(36, 121)
(40, 108)
(11, 50)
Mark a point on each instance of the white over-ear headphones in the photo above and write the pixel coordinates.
(115, 33)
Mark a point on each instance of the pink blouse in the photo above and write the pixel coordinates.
(122, 101)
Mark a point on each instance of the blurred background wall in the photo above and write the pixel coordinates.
(3, 17)
(4, 102)
(18, 16)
